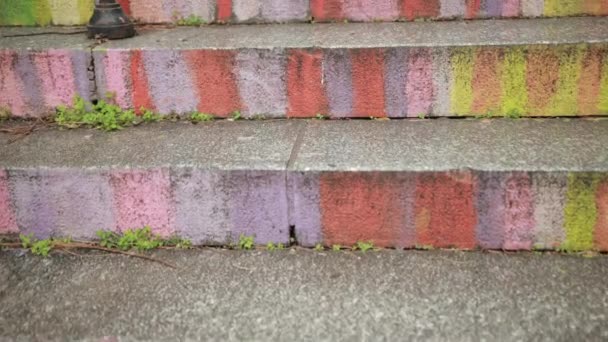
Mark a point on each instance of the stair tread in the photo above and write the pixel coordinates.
(550, 145)
(568, 30)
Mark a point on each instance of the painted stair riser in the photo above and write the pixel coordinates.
(461, 209)
(78, 12)
(534, 80)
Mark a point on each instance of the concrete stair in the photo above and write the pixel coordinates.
(78, 12)
(536, 67)
(492, 184)
(438, 182)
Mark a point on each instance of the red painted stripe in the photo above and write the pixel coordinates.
(126, 6)
(306, 93)
(361, 207)
(326, 10)
(413, 9)
(601, 226)
(141, 94)
(542, 74)
(445, 210)
(215, 81)
(368, 82)
(472, 9)
(224, 10)
(589, 81)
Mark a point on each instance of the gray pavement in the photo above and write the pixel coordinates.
(305, 295)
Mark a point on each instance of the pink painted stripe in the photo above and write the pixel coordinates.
(143, 198)
(519, 212)
(510, 8)
(419, 87)
(371, 10)
(8, 223)
(116, 67)
(56, 75)
(11, 86)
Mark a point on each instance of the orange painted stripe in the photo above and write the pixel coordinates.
(589, 81)
(224, 10)
(215, 82)
(541, 78)
(445, 210)
(368, 82)
(326, 10)
(601, 226)
(305, 90)
(487, 88)
(472, 9)
(141, 93)
(413, 9)
(361, 207)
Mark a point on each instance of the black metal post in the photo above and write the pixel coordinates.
(109, 21)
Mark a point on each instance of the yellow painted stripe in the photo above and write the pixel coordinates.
(462, 60)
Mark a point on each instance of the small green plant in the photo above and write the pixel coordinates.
(42, 247)
(363, 246)
(270, 246)
(422, 116)
(319, 247)
(26, 240)
(258, 117)
(197, 117)
(336, 248)
(149, 116)
(320, 116)
(103, 115)
(513, 114)
(280, 246)
(191, 20)
(246, 242)
(235, 116)
(178, 242)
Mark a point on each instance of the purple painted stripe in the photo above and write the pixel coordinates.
(491, 8)
(490, 210)
(406, 234)
(337, 72)
(306, 214)
(202, 206)
(80, 65)
(26, 69)
(62, 202)
(259, 205)
(261, 79)
(395, 82)
(442, 80)
(171, 85)
(285, 10)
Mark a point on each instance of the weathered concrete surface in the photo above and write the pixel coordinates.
(496, 184)
(75, 12)
(304, 295)
(512, 184)
(209, 183)
(494, 68)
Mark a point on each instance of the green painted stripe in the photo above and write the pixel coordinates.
(565, 100)
(513, 81)
(557, 8)
(462, 60)
(85, 10)
(580, 213)
(603, 96)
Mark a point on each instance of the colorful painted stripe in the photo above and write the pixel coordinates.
(78, 12)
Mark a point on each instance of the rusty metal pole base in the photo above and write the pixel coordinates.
(109, 21)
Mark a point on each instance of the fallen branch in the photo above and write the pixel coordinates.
(83, 245)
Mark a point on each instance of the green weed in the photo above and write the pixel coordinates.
(319, 247)
(320, 116)
(363, 246)
(42, 247)
(246, 242)
(336, 248)
(197, 117)
(236, 115)
(191, 20)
